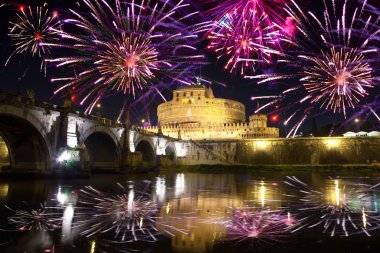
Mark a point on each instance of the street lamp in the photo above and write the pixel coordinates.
(98, 112)
(357, 120)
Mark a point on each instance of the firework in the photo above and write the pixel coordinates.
(127, 216)
(245, 33)
(258, 226)
(127, 47)
(44, 218)
(332, 62)
(32, 29)
(339, 210)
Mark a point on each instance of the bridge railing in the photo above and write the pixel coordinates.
(101, 120)
(149, 133)
(8, 98)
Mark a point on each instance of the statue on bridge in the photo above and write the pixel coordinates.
(30, 96)
(68, 103)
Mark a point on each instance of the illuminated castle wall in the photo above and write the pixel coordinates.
(195, 114)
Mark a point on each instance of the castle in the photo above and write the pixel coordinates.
(195, 114)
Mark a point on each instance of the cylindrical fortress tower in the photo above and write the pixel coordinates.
(197, 104)
(258, 120)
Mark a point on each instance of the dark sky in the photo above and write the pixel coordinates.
(23, 71)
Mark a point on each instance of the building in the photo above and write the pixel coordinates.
(195, 114)
(362, 134)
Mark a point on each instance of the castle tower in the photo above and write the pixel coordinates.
(258, 120)
(195, 113)
(197, 105)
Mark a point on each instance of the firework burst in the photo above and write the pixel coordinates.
(332, 62)
(245, 33)
(44, 218)
(32, 29)
(339, 210)
(127, 47)
(344, 76)
(258, 226)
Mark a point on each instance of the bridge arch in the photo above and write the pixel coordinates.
(26, 138)
(146, 147)
(101, 148)
(171, 152)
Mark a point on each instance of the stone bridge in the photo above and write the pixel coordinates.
(44, 137)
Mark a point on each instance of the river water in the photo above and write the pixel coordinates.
(273, 211)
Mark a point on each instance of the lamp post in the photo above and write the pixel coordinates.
(98, 110)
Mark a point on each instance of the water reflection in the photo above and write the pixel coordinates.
(160, 189)
(265, 194)
(340, 208)
(4, 187)
(67, 220)
(179, 187)
(195, 211)
(203, 224)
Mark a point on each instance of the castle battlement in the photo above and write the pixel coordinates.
(195, 114)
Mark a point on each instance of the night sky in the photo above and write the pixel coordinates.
(23, 71)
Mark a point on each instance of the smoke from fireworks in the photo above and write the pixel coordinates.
(32, 29)
(246, 33)
(333, 63)
(127, 47)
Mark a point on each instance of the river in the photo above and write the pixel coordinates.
(273, 211)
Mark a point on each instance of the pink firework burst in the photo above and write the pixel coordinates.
(246, 33)
(258, 226)
(332, 67)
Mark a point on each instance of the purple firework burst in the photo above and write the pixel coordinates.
(258, 227)
(332, 66)
(127, 47)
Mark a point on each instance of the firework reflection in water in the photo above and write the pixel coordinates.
(127, 216)
(258, 227)
(43, 218)
(339, 210)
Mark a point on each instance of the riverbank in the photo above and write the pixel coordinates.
(222, 168)
(201, 168)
